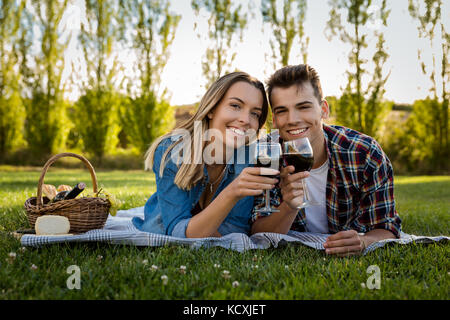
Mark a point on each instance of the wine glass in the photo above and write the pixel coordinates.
(268, 155)
(299, 153)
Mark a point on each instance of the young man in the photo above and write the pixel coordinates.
(351, 178)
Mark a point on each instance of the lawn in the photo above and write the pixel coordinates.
(290, 272)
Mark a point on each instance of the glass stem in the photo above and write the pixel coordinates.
(267, 198)
(305, 191)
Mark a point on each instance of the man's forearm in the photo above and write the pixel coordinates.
(377, 235)
(278, 222)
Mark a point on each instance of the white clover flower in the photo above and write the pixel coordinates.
(216, 265)
(286, 267)
(154, 268)
(226, 274)
(99, 258)
(183, 269)
(164, 279)
(23, 249)
(145, 262)
(11, 257)
(255, 266)
(235, 284)
(33, 267)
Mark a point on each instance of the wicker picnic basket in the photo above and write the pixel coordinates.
(84, 213)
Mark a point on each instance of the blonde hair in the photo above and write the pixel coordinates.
(190, 173)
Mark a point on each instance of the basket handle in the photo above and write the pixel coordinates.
(52, 160)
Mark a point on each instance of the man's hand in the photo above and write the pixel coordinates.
(345, 243)
(291, 186)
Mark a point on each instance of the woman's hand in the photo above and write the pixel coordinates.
(252, 182)
(291, 186)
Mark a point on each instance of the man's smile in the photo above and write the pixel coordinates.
(297, 132)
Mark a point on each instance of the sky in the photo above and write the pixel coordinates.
(183, 79)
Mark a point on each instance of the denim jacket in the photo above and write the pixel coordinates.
(168, 211)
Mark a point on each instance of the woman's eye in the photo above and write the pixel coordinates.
(236, 106)
(256, 115)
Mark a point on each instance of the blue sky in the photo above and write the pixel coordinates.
(406, 83)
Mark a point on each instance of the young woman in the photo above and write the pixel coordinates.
(209, 193)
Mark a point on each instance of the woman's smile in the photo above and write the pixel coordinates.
(237, 131)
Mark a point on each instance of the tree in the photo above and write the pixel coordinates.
(430, 116)
(224, 22)
(12, 112)
(361, 108)
(96, 112)
(286, 28)
(152, 31)
(96, 125)
(147, 116)
(45, 127)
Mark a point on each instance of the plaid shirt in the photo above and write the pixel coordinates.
(360, 185)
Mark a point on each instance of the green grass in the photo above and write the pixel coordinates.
(291, 272)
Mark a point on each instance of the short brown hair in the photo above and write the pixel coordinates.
(291, 75)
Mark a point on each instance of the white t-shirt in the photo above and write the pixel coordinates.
(316, 216)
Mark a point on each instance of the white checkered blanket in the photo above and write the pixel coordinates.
(120, 230)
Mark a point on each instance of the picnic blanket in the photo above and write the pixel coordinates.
(120, 230)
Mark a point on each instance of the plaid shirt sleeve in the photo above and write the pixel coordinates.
(276, 198)
(377, 204)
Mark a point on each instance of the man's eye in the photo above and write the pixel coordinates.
(279, 111)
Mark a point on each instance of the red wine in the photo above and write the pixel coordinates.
(66, 195)
(301, 162)
(266, 162)
(75, 191)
